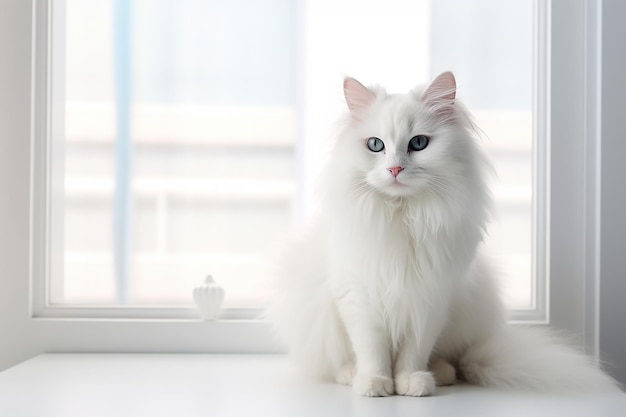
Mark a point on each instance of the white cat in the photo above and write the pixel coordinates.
(386, 290)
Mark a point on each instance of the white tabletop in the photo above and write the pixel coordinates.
(88, 385)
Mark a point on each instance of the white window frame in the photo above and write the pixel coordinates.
(48, 207)
(573, 239)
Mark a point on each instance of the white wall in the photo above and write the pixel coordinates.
(15, 37)
(613, 193)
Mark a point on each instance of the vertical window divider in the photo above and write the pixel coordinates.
(47, 156)
(540, 312)
(38, 160)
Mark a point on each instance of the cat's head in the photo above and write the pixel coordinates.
(408, 144)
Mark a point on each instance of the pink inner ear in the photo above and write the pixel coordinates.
(441, 91)
(358, 97)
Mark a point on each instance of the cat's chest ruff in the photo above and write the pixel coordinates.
(408, 226)
(398, 237)
(399, 243)
(418, 235)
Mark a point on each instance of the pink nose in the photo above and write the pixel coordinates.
(395, 171)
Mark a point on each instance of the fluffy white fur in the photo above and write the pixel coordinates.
(386, 290)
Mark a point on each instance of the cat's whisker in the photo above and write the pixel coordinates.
(361, 188)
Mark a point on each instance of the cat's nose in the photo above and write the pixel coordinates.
(395, 171)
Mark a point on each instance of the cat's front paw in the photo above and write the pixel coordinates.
(372, 385)
(415, 384)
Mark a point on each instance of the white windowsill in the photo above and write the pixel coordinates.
(67, 385)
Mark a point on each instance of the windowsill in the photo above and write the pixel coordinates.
(55, 385)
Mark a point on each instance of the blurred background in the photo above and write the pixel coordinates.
(192, 130)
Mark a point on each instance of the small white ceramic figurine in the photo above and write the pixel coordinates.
(209, 298)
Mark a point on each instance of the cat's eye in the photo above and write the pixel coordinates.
(375, 144)
(417, 143)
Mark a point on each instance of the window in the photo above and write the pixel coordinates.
(572, 69)
(177, 145)
(583, 63)
(177, 140)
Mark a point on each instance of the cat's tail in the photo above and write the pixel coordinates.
(303, 312)
(535, 359)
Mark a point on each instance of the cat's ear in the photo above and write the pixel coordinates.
(358, 98)
(441, 92)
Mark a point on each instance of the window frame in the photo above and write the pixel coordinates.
(573, 237)
(48, 216)
(79, 328)
(48, 195)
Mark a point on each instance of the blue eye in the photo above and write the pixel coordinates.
(417, 143)
(375, 144)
